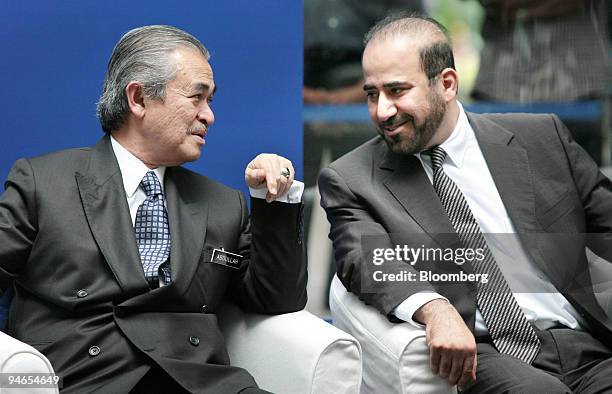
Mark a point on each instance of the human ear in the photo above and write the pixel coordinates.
(450, 83)
(135, 96)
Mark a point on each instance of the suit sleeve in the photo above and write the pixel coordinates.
(351, 221)
(17, 220)
(273, 275)
(595, 192)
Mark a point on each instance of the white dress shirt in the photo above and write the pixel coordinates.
(466, 166)
(133, 170)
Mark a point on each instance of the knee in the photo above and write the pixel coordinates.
(542, 384)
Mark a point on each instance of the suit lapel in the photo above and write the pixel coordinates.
(187, 214)
(105, 205)
(407, 181)
(509, 166)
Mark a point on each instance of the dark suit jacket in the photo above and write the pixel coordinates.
(547, 183)
(67, 238)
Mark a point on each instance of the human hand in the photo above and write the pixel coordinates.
(265, 170)
(452, 346)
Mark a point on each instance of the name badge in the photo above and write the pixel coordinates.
(227, 259)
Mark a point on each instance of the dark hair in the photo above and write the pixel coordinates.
(435, 57)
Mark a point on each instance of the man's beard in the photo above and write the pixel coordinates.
(416, 140)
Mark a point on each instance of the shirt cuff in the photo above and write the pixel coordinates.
(293, 196)
(409, 306)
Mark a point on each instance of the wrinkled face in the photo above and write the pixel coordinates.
(406, 109)
(177, 126)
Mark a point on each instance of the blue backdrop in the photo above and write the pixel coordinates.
(54, 54)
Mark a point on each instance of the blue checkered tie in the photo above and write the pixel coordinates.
(153, 232)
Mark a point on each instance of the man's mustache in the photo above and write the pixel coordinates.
(397, 120)
(198, 130)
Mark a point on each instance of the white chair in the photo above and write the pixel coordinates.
(291, 353)
(395, 356)
(17, 358)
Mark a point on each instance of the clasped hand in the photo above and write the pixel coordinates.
(452, 346)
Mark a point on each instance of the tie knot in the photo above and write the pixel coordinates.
(437, 156)
(150, 184)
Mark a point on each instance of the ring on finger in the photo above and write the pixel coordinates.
(286, 172)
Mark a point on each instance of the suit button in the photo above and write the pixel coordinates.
(94, 351)
(82, 293)
(195, 341)
(204, 309)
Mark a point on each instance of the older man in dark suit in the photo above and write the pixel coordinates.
(121, 257)
(436, 177)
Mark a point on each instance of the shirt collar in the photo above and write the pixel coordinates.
(457, 143)
(132, 169)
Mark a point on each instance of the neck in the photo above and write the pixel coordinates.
(449, 122)
(133, 143)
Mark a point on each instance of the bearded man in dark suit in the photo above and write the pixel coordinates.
(437, 176)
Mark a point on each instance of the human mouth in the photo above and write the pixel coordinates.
(199, 135)
(394, 129)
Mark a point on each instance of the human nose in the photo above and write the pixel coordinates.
(206, 115)
(385, 108)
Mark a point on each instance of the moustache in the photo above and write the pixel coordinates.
(198, 130)
(396, 121)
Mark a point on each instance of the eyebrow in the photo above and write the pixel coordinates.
(202, 87)
(388, 85)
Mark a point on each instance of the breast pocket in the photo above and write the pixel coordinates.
(557, 210)
(211, 278)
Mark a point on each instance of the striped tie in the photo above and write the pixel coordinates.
(510, 331)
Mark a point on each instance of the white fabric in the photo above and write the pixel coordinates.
(395, 356)
(18, 358)
(466, 166)
(132, 172)
(408, 307)
(293, 196)
(294, 353)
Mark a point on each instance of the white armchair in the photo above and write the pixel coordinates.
(395, 356)
(290, 353)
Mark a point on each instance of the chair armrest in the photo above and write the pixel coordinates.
(19, 358)
(292, 353)
(395, 356)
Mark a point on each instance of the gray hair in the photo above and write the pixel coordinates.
(141, 55)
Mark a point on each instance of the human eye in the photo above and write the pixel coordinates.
(396, 90)
(372, 95)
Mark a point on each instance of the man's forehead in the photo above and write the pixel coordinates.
(390, 60)
(193, 71)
